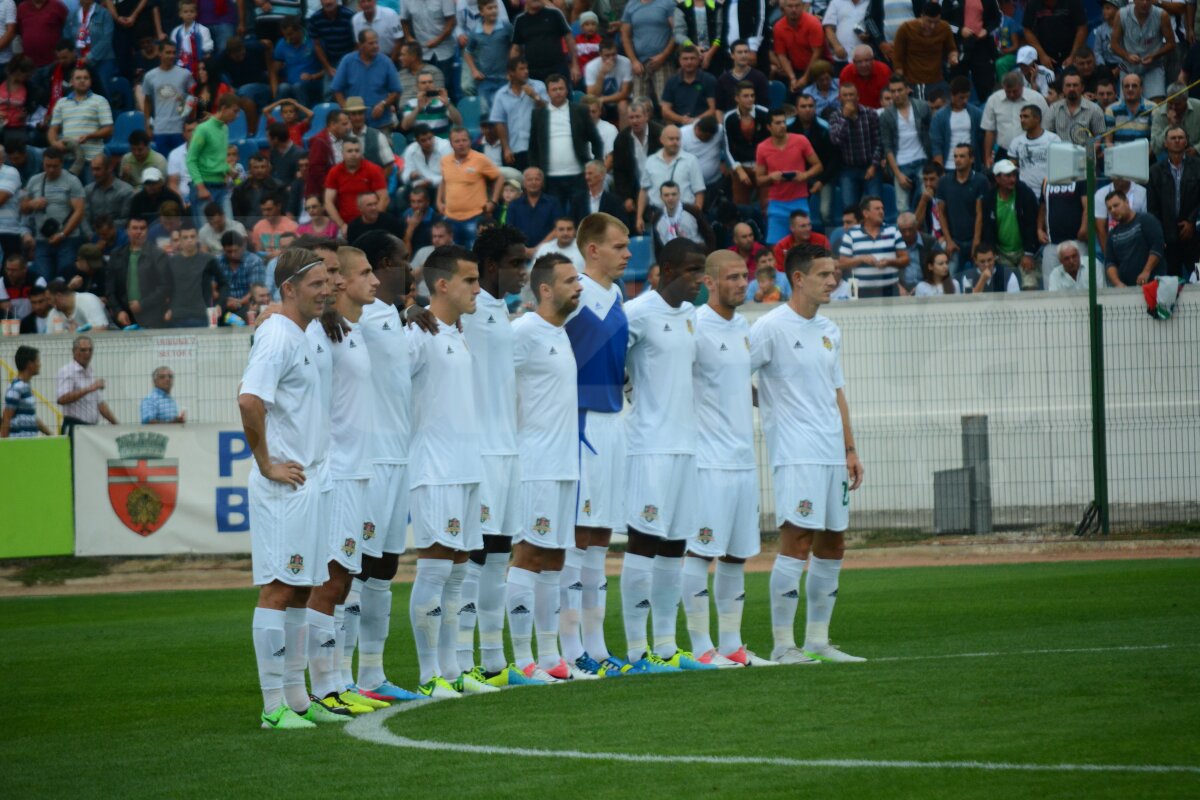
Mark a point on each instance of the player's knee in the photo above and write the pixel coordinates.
(672, 549)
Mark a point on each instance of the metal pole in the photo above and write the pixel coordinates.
(1096, 349)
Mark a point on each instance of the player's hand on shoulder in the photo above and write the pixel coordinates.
(422, 318)
(335, 327)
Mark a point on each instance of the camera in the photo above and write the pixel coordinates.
(50, 228)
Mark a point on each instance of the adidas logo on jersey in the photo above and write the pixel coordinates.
(667, 328)
(319, 349)
(723, 347)
(387, 326)
(491, 319)
(352, 344)
(643, 604)
(792, 595)
(797, 345)
(553, 352)
(518, 610)
(449, 350)
(306, 361)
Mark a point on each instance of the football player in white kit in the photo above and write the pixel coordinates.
(287, 431)
(445, 461)
(500, 253)
(660, 430)
(814, 464)
(548, 428)
(727, 527)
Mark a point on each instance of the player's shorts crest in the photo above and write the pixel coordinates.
(804, 508)
(295, 564)
(349, 546)
(541, 526)
(705, 535)
(650, 513)
(453, 527)
(485, 513)
(828, 344)
(368, 531)
(587, 507)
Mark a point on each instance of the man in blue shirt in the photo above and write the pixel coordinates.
(372, 77)
(19, 419)
(534, 213)
(512, 110)
(331, 29)
(295, 72)
(159, 407)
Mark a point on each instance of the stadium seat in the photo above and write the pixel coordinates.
(470, 109)
(260, 135)
(577, 96)
(120, 95)
(317, 124)
(125, 124)
(238, 129)
(777, 93)
(641, 250)
(247, 148)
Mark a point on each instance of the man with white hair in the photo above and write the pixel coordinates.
(1001, 121)
(1071, 274)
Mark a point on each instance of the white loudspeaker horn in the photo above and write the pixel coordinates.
(1130, 160)
(1066, 163)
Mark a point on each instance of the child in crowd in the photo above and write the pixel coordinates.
(295, 115)
(1009, 38)
(510, 194)
(193, 41)
(1102, 35)
(765, 288)
(587, 41)
(237, 173)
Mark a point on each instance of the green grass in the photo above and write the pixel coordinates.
(155, 695)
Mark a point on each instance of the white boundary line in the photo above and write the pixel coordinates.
(373, 728)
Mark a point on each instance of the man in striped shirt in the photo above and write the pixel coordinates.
(19, 419)
(431, 107)
(1132, 112)
(875, 252)
(81, 121)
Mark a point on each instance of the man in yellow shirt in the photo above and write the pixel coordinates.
(463, 195)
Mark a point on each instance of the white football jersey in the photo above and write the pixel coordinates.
(490, 337)
(446, 436)
(547, 402)
(662, 349)
(352, 414)
(799, 363)
(724, 401)
(283, 372)
(388, 344)
(321, 346)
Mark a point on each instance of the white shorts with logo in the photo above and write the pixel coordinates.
(662, 495)
(287, 532)
(812, 496)
(447, 514)
(348, 520)
(500, 496)
(602, 472)
(548, 513)
(727, 514)
(387, 510)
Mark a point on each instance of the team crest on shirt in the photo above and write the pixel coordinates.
(453, 527)
(691, 328)
(650, 513)
(485, 513)
(587, 507)
(295, 564)
(746, 339)
(349, 546)
(804, 508)
(825, 341)
(705, 535)
(368, 531)
(541, 526)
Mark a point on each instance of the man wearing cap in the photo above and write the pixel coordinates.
(376, 147)
(206, 163)
(153, 194)
(1036, 76)
(1001, 120)
(1010, 214)
(374, 79)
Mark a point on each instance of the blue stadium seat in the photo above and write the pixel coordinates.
(238, 129)
(120, 94)
(125, 124)
(260, 135)
(778, 93)
(247, 148)
(317, 124)
(642, 256)
(470, 109)
(577, 96)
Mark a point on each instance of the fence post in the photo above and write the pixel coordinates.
(1096, 349)
(976, 459)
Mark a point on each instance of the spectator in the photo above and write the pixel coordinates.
(178, 179)
(749, 22)
(107, 236)
(10, 206)
(89, 272)
(935, 277)
(16, 286)
(431, 107)
(1037, 77)
(1085, 65)
(742, 69)
(609, 78)
(534, 213)
(1031, 149)
(675, 220)
(241, 271)
(384, 21)
(512, 110)
(562, 243)
(411, 66)
(1142, 40)
(868, 75)
(904, 131)
(248, 195)
(1173, 196)
(599, 198)
(691, 93)
(52, 82)
(823, 88)
(542, 36)
(370, 218)
(705, 139)
(148, 202)
(1074, 113)
(979, 48)
(746, 126)
(284, 154)
(922, 45)
(80, 393)
(331, 29)
(1102, 35)
(587, 41)
(784, 164)
(990, 278)
(81, 311)
(81, 122)
(54, 201)
(347, 181)
(40, 26)
(1062, 217)
(766, 288)
(745, 245)
(167, 89)
(919, 246)
(373, 80)
(816, 130)
(875, 251)
(956, 123)
(15, 96)
(325, 152)
(608, 132)
(206, 155)
(164, 231)
(1131, 115)
(243, 64)
(295, 191)
(800, 232)
(295, 71)
(960, 208)
(423, 159)
(215, 228)
(159, 407)
(431, 23)
(1010, 216)
(1182, 110)
(92, 28)
(440, 235)
(37, 321)
(193, 40)
(225, 21)
(19, 419)
(418, 219)
(1106, 95)
(562, 139)
(1001, 120)
(636, 143)
(260, 298)
(648, 36)
(670, 163)
(269, 231)
(139, 158)
(486, 55)
(798, 42)
(843, 19)
(1071, 274)
(1056, 29)
(191, 276)
(462, 196)
(854, 128)
(319, 224)
(137, 280)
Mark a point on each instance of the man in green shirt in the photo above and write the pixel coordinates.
(1010, 224)
(206, 163)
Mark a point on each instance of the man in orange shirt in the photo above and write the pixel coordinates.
(463, 193)
(346, 181)
(268, 231)
(799, 40)
(801, 232)
(921, 46)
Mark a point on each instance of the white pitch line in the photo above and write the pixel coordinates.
(1032, 652)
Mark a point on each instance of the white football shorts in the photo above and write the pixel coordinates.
(348, 522)
(812, 496)
(500, 496)
(661, 490)
(548, 513)
(602, 472)
(447, 514)
(287, 532)
(387, 508)
(727, 514)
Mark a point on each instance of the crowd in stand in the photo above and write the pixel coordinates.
(910, 138)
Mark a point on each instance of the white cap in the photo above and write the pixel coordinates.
(1004, 167)
(152, 174)
(1026, 55)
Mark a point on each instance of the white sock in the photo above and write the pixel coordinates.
(425, 613)
(451, 602)
(269, 650)
(339, 631)
(519, 598)
(570, 600)
(545, 618)
(352, 623)
(729, 592)
(664, 604)
(636, 576)
(695, 603)
(374, 620)
(785, 596)
(467, 616)
(295, 639)
(490, 607)
(821, 594)
(595, 599)
(324, 669)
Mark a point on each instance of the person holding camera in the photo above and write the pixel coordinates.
(54, 203)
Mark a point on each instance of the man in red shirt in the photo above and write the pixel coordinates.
(799, 40)
(784, 164)
(324, 152)
(870, 76)
(348, 180)
(745, 245)
(40, 26)
(802, 233)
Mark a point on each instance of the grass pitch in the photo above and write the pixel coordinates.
(155, 695)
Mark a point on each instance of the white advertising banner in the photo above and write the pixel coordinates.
(160, 490)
